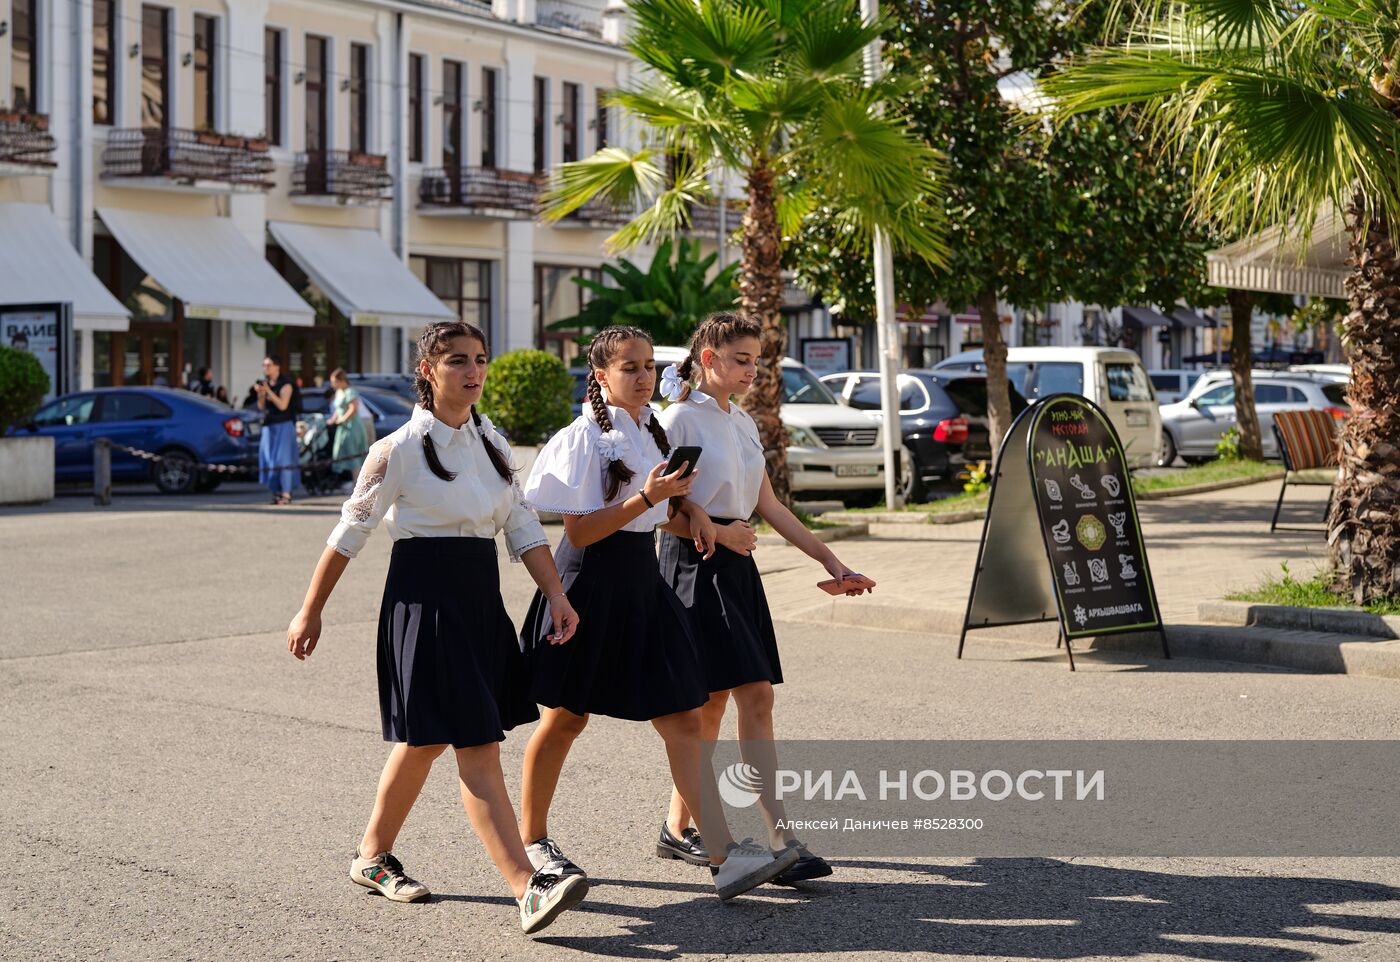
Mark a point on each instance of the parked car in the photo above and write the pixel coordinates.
(384, 411)
(1192, 426)
(580, 376)
(400, 384)
(1172, 385)
(185, 428)
(1330, 372)
(1111, 377)
(831, 448)
(943, 418)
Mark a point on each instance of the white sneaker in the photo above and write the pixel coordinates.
(547, 852)
(550, 892)
(385, 875)
(748, 866)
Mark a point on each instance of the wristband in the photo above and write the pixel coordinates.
(646, 499)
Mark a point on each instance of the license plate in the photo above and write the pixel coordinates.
(857, 470)
(1137, 419)
(254, 429)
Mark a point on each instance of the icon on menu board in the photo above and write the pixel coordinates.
(1119, 520)
(1127, 572)
(1052, 488)
(1085, 492)
(1098, 570)
(1111, 485)
(1060, 530)
(1071, 573)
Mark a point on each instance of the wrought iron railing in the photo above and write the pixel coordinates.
(477, 188)
(704, 216)
(342, 174)
(25, 140)
(187, 156)
(566, 15)
(599, 212)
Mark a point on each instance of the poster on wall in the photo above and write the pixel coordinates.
(827, 355)
(42, 330)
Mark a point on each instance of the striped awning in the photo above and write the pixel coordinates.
(1283, 262)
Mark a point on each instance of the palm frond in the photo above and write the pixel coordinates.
(830, 41)
(864, 152)
(697, 44)
(616, 174)
(668, 211)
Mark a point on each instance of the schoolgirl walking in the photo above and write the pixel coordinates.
(712, 570)
(634, 655)
(450, 668)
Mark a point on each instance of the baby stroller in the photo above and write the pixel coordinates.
(318, 475)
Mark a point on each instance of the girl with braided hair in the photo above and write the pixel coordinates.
(712, 568)
(634, 656)
(451, 671)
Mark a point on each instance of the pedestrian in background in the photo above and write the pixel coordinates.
(349, 444)
(280, 401)
(203, 383)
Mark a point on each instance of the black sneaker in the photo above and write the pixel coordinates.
(690, 847)
(806, 868)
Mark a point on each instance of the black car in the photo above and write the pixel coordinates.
(943, 416)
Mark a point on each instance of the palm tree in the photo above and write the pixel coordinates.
(1283, 110)
(773, 92)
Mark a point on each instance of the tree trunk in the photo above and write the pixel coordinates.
(994, 358)
(1363, 530)
(1241, 364)
(761, 297)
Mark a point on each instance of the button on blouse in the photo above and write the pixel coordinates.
(731, 458)
(396, 485)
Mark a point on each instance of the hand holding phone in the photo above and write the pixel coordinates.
(852, 584)
(687, 455)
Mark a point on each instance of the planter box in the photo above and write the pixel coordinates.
(26, 470)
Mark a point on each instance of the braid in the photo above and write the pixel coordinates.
(686, 368)
(498, 460)
(658, 434)
(618, 471)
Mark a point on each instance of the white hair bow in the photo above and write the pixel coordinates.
(671, 384)
(611, 444)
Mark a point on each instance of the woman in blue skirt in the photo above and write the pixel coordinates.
(278, 398)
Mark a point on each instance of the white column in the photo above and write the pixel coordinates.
(517, 274)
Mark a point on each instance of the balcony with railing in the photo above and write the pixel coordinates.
(26, 146)
(342, 177)
(186, 159)
(704, 216)
(478, 192)
(597, 214)
(570, 16)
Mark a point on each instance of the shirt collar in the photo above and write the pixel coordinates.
(703, 399)
(425, 422)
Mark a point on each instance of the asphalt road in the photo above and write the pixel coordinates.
(180, 788)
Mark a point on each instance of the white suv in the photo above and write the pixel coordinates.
(830, 447)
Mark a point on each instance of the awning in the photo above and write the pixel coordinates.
(208, 263)
(1146, 317)
(1185, 317)
(361, 275)
(39, 266)
(1279, 262)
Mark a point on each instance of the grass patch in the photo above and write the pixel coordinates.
(961, 501)
(1315, 592)
(812, 523)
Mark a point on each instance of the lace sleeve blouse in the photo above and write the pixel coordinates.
(396, 486)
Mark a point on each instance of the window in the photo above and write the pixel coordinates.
(801, 387)
(104, 41)
(571, 112)
(463, 285)
(1064, 378)
(131, 406)
(1217, 396)
(272, 85)
(490, 82)
(865, 396)
(452, 147)
(205, 38)
(317, 134)
(1270, 393)
(558, 298)
(416, 76)
(1296, 396)
(1126, 382)
(600, 120)
(24, 55)
(359, 98)
(541, 120)
(155, 67)
(1336, 393)
(74, 409)
(1167, 382)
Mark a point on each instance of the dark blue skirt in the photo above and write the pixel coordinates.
(451, 671)
(633, 655)
(728, 610)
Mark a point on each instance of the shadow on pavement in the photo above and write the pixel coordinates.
(1007, 909)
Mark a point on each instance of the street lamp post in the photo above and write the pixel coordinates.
(885, 325)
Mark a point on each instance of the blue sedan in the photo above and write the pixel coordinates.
(185, 428)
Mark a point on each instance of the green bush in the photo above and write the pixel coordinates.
(528, 395)
(1228, 447)
(23, 384)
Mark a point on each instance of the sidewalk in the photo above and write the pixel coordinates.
(1199, 547)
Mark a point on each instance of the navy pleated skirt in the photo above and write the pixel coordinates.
(451, 671)
(728, 611)
(633, 655)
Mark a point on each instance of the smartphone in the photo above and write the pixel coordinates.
(688, 455)
(839, 586)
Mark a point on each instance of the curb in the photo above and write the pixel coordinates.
(976, 514)
(1321, 652)
(824, 535)
(1340, 621)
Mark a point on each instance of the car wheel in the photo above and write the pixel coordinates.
(175, 473)
(1168, 450)
(911, 482)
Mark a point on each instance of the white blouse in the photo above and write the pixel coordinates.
(731, 457)
(396, 485)
(569, 477)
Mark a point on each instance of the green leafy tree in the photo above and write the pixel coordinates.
(1089, 214)
(23, 384)
(1284, 111)
(528, 395)
(667, 300)
(775, 93)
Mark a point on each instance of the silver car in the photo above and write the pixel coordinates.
(1192, 426)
